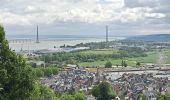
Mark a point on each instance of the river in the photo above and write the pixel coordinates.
(46, 42)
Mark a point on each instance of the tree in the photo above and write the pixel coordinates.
(46, 93)
(103, 91)
(67, 97)
(108, 64)
(42, 92)
(164, 97)
(95, 91)
(161, 97)
(79, 96)
(16, 78)
(167, 96)
(124, 64)
(138, 64)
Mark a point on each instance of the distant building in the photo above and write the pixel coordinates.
(36, 63)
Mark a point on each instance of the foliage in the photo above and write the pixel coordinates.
(132, 52)
(164, 97)
(47, 71)
(17, 81)
(103, 91)
(42, 92)
(67, 97)
(93, 55)
(79, 96)
(124, 64)
(108, 64)
(95, 91)
(161, 97)
(138, 64)
(74, 96)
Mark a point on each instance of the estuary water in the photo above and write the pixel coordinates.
(25, 42)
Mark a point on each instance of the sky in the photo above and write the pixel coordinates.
(85, 17)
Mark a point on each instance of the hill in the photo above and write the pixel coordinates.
(154, 37)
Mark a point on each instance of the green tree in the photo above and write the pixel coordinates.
(161, 97)
(46, 93)
(103, 91)
(38, 72)
(67, 97)
(167, 96)
(138, 64)
(79, 96)
(108, 64)
(16, 77)
(164, 97)
(95, 91)
(42, 92)
(124, 64)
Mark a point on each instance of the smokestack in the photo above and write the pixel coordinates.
(37, 39)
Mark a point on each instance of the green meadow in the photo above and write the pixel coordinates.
(150, 58)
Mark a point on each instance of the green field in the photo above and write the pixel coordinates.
(151, 58)
(101, 63)
(167, 55)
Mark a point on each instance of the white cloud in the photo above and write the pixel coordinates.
(155, 15)
(13, 19)
(90, 11)
(97, 12)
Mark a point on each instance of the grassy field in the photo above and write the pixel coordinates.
(102, 63)
(151, 58)
(100, 51)
(167, 55)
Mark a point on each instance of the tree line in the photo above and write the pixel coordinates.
(75, 57)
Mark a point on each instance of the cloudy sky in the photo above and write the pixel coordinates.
(85, 17)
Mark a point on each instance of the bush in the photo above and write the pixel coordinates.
(48, 71)
(108, 64)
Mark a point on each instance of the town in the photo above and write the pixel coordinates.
(126, 83)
